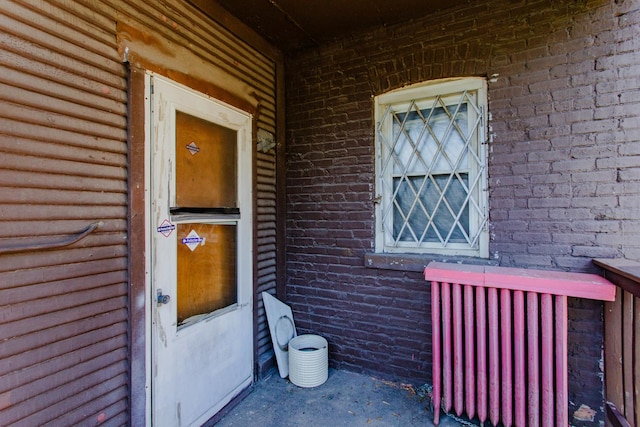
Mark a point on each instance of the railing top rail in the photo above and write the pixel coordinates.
(580, 285)
(624, 273)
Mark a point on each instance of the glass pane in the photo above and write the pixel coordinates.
(205, 163)
(206, 269)
(427, 206)
(418, 137)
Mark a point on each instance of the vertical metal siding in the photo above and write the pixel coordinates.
(266, 217)
(63, 166)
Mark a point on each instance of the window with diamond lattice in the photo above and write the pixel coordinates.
(431, 169)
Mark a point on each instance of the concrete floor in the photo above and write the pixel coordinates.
(345, 399)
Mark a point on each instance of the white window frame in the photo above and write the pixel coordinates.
(448, 92)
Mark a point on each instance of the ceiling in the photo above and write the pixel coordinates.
(293, 25)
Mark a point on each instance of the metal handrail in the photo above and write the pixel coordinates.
(42, 244)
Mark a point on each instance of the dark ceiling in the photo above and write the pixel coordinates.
(292, 25)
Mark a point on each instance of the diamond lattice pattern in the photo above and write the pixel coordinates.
(431, 172)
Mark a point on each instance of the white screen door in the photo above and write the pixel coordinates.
(200, 254)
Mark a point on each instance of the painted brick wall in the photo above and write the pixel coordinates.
(564, 168)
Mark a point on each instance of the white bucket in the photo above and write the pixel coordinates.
(308, 360)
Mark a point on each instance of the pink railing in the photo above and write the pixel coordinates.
(499, 341)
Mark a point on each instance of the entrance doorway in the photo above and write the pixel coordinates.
(200, 251)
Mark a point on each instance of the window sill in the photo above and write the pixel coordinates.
(417, 262)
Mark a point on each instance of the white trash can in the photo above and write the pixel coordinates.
(308, 360)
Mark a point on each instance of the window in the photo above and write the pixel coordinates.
(431, 169)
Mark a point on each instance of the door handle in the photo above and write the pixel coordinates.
(162, 299)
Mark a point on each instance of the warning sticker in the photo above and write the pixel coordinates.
(166, 228)
(193, 148)
(193, 240)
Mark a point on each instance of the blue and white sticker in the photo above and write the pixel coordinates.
(166, 228)
(193, 240)
(193, 148)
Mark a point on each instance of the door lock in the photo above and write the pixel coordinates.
(162, 299)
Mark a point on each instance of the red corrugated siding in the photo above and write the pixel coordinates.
(63, 311)
(63, 166)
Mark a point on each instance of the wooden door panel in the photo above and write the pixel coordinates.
(206, 274)
(205, 163)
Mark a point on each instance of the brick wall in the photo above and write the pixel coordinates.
(564, 168)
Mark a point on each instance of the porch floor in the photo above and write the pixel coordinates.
(345, 399)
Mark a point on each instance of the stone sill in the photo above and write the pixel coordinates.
(417, 262)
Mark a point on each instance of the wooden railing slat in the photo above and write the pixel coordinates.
(636, 361)
(613, 351)
(627, 353)
(622, 343)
